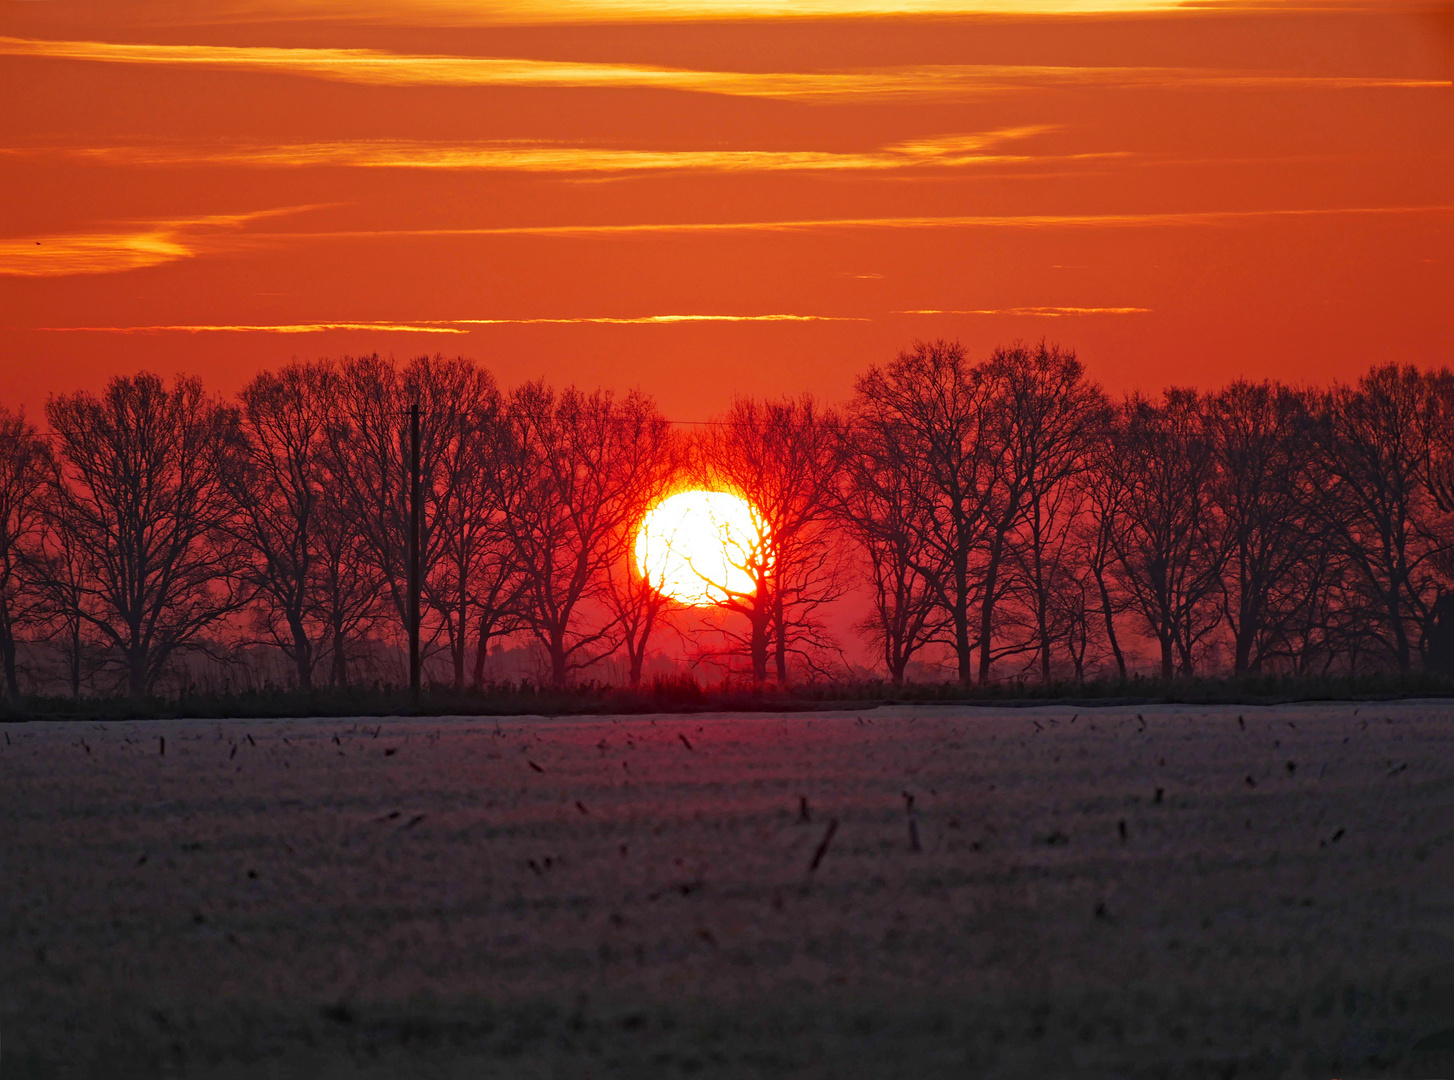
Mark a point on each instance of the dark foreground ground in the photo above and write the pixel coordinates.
(636, 897)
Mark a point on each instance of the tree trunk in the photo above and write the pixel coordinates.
(1106, 610)
(76, 659)
(482, 643)
(1167, 657)
(780, 643)
(136, 672)
(987, 607)
(12, 678)
(1400, 634)
(1044, 630)
(302, 651)
(7, 651)
(759, 646)
(559, 672)
(338, 670)
(960, 613)
(459, 646)
(1242, 657)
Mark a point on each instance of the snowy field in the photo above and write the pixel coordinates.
(1228, 891)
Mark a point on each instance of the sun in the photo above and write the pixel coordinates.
(699, 547)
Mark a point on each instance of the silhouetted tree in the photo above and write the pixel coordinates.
(568, 485)
(140, 495)
(460, 531)
(280, 481)
(1373, 444)
(25, 465)
(935, 406)
(1262, 489)
(639, 603)
(879, 503)
(1044, 417)
(1096, 532)
(470, 582)
(783, 457)
(1169, 548)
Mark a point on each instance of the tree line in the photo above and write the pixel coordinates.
(1002, 516)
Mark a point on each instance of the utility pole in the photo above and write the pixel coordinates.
(415, 485)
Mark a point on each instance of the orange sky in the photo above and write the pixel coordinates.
(723, 195)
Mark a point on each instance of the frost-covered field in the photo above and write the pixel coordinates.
(1189, 895)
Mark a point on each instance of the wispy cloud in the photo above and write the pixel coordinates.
(436, 326)
(1005, 221)
(1035, 312)
(255, 328)
(946, 152)
(505, 12)
(129, 246)
(662, 319)
(946, 81)
(465, 12)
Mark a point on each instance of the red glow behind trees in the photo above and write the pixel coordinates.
(999, 514)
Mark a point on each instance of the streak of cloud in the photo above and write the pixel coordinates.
(1036, 312)
(948, 152)
(152, 244)
(929, 82)
(465, 12)
(125, 247)
(539, 12)
(1008, 221)
(254, 328)
(436, 326)
(661, 319)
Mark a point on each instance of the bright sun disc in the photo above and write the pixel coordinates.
(698, 546)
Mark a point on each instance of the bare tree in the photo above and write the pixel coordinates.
(783, 458)
(348, 587)
(639, 603)
(1371, 471)
(1262, 489)
(935, 407)
(25, 464)
(1169, 550)
(279, 479)
(568, 486)
(60, 571)
(1096, 533)
(1045, 416)
(368, 451)
(139, 493)
(460, 528)
(467, 577)
(879, 501)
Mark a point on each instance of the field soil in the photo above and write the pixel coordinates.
(904, 892)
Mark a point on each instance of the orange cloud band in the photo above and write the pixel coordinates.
(948, 152)
(153, 244)
(1006, 221)
(437, 326)
(1036, 312)
(506, 12)
(373, 66)
(126, 248)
